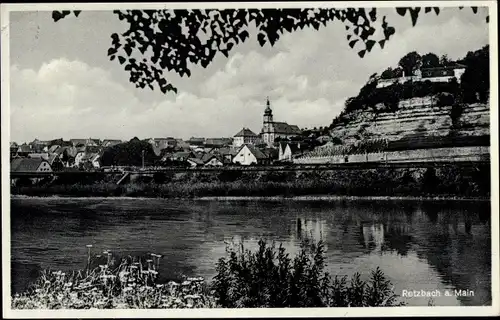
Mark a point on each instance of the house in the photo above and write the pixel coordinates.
(272, 129)
(198, 142)
(180, 156)
(181, 145)
(106, 143)
(30, 165)
(195, 162)
(248, 155)
(42, 155)
(96, 161)
(13, 149)
(244, 136)
(53, 148)
(55, 162)
(435, 74)
(218, 142)
(443, 74)
(78, 142)
(24, 150)
(287, 150)
(212, 160)
(78, 158)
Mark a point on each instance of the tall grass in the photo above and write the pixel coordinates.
(267, 277)
(445, 181)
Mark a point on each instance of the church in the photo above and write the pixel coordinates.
(272, 130)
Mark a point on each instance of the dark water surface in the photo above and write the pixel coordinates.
(418, 245)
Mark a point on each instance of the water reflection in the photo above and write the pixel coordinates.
(424, 245)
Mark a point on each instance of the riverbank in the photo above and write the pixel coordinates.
(406, 183)
(270, 198)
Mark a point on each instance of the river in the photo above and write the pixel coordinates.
(419, 245)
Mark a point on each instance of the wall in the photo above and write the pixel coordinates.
(438, 154)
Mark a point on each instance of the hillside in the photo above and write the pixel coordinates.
(415, 117)
(439, 101)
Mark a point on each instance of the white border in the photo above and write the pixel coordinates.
(235, 313)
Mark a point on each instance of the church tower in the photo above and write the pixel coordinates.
(267, 128)
(268, 116)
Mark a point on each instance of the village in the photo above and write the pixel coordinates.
(425, 134)
(277, 142)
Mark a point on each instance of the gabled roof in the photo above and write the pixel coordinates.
(53, 148)
(283, 127)
(24, 148)
(25, 164)
(271, 153)
(89, 156)
(196, 161)
(181, 154)
(52, 157)
(227, 151)
(258, 154)
(245, 132)
(78, 141)
(218, 141)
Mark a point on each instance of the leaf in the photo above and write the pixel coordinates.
(261, 38)
(373, 14)
(111, 51)
(121, 59)
(414, 15)
(128, 50)
(370, 44)
(401, 11)
(361, 53)
(428, 9)
(436, 10)
(56, 15)
(353, 43)
(488, 19)
(349, 36)
(381, 43)
(112, 58)
(77, 13)
(474, 9)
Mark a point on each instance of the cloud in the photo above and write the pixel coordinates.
(308, 75)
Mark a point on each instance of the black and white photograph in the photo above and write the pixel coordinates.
(250, 159)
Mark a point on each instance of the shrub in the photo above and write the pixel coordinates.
(265, 278)
(270, 278)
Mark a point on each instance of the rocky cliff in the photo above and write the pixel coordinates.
(416, 117)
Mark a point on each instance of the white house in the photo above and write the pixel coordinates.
(244, 136)
(78, 158)
(96, 161)
(287, 150)
(248, 155)
(436, 74)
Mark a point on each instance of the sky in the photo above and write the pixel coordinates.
(62, 84)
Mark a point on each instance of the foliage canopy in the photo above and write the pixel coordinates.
(159, 40)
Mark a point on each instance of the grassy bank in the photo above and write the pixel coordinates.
(446, 182)
(268, 277)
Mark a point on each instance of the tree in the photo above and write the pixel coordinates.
(475, 81)
(159, 40)
(410, 63)
(430, 60)
(444, 60)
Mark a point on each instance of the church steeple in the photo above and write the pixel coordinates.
(268, 112)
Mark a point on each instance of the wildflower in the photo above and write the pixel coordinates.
(89, 246)
(159, 286)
